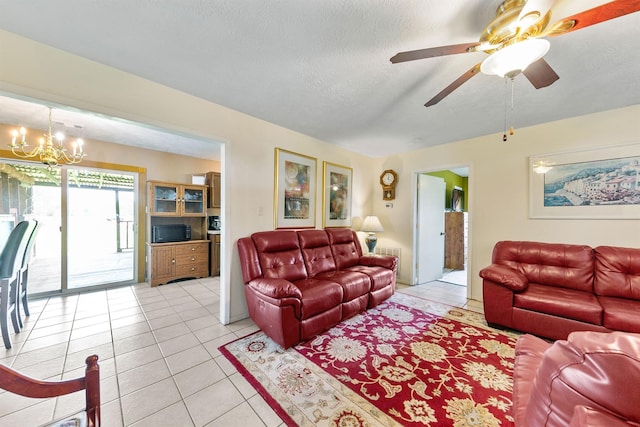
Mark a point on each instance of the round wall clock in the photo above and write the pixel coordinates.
(388, 180)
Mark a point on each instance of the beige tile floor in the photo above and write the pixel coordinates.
(159, 358)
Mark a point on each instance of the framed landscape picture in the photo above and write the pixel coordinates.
(295, 190)
(599, 183)
(336, 195)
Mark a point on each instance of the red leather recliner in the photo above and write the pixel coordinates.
(591, 379)
(301, 283)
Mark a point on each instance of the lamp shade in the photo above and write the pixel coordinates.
(515, 58)
(371, 224)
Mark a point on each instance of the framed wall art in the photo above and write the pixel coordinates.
(601, 183)
(295, 190)
(336, 195)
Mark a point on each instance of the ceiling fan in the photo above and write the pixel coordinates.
(514, 41)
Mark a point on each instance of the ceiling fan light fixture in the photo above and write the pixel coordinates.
(515, 58)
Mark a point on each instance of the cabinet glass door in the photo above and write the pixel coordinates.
(193, 201)
(165, 199)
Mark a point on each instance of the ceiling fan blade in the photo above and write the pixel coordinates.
(540, 74)
(432, 52)
(605, 12)
(453, 86)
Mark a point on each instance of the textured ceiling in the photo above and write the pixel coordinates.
(81, 124)
(321, 67)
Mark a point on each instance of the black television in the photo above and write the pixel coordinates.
(457, 199)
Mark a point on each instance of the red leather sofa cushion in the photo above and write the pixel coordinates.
(318, 296)
(554, 264)
(380, 277)
(346, 250)
(320, 264)
(354, 284)
(279, 255)
(316, 251)
(620, 314)
(560, 302)
(617, 272)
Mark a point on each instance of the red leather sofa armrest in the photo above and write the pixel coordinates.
(505, 276)
(385, 261)
(275, 288)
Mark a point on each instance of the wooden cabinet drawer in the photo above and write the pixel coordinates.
(199, 269)
(192, 248)
(192, 258)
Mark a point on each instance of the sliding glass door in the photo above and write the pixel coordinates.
(45, 207)
(88, 224)
(99, 228)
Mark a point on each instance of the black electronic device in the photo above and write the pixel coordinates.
(170, 233)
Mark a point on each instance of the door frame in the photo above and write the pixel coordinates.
(414, 223)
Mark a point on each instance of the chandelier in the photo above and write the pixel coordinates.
(50, 148)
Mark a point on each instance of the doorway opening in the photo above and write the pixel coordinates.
(442, 224)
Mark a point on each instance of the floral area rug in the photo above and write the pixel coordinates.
(408, 362)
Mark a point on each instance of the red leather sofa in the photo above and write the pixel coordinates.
(591, 379)
(551, 289)
(301, 283)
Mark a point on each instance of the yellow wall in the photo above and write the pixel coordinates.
(498, 180)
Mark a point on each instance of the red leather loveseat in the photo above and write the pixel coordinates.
(301, 283)
(551, 289)
(591, 379)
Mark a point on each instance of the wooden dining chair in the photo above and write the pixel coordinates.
(10, 262)
(17, 383)
(21, 295)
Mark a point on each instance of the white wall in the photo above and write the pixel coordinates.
(248, 165)
(499, 183)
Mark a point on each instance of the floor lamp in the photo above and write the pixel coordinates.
(371, 225)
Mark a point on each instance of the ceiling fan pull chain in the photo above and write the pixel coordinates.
(504, 135)
(506, 108)
(512, 105)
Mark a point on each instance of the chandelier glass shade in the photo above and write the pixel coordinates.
(513, 59)
(50, 149)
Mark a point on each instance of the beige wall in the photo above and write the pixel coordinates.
(247, 164)
(498, 188)
(498, 183)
